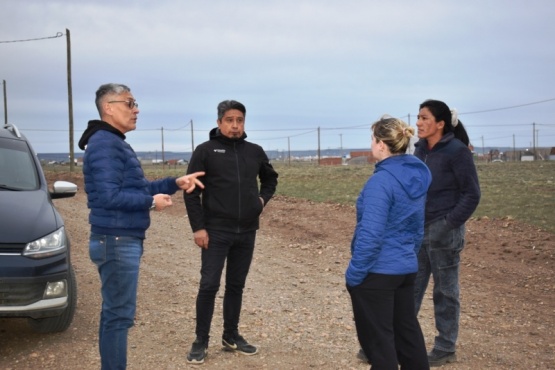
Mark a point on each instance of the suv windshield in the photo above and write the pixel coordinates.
(17, 168)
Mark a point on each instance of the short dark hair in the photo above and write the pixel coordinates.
(228, 105)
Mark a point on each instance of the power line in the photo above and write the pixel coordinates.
(510, 124)
(308, 129)
(58, 34)
(510, 107)
(287, 137)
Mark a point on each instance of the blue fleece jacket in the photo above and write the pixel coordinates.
(119, 196)
(390, 219)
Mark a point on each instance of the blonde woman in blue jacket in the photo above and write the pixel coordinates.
(388, 234)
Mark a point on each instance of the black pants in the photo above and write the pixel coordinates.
(386, 323)
(237, 249)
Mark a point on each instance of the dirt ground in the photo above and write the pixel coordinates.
(295, 304)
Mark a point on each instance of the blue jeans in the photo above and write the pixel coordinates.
(440, 257)
(117, 259)
(237, 249)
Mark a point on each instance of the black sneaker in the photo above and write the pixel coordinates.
(438, 357)
(362, 356)
(198, 352)
(238, 344)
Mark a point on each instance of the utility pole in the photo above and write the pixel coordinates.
(534, 139)
(70, 103)
(410, 148)
(341, 145)
(289, 149)
(5, 103)
(192, 138)
(514, 149)
(318, 145)
(163, 154)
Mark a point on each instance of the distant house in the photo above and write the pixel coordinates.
(527, 156)
(362, 156)
(330, 161)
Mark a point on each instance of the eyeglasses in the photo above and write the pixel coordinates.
(130, 103)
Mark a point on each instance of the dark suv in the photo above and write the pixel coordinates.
(37, 280)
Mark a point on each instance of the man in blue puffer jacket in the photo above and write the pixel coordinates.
(388, 234)
(120, 198)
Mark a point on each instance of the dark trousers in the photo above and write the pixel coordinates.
(386, 323)
(237, 249)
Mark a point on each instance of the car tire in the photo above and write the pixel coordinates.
(62, 322)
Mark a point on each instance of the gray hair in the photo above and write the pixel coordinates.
(108, 89)
(228, 105)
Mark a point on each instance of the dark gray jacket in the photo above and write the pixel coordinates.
(455, 191)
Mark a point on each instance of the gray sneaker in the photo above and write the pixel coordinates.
(438, 357)
(237, 343)
(199, 351)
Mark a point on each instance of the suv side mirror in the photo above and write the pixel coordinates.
(63, 189)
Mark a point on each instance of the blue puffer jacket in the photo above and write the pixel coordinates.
(119, 195)
(390, 219)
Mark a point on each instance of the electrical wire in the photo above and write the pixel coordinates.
(58, 34)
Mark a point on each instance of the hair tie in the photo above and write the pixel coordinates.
(454, 118)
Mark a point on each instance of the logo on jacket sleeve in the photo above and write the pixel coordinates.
(219, 151)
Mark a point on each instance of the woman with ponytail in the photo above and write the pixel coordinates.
(452, 198)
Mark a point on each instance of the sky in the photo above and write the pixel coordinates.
(311, 73)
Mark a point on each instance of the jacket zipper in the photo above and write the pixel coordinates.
(239, 187)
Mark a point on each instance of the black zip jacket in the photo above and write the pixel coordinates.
(455, 190)
(230, 200)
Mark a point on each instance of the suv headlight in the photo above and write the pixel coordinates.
(49, 245)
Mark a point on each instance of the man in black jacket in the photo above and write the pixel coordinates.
(224, 217)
